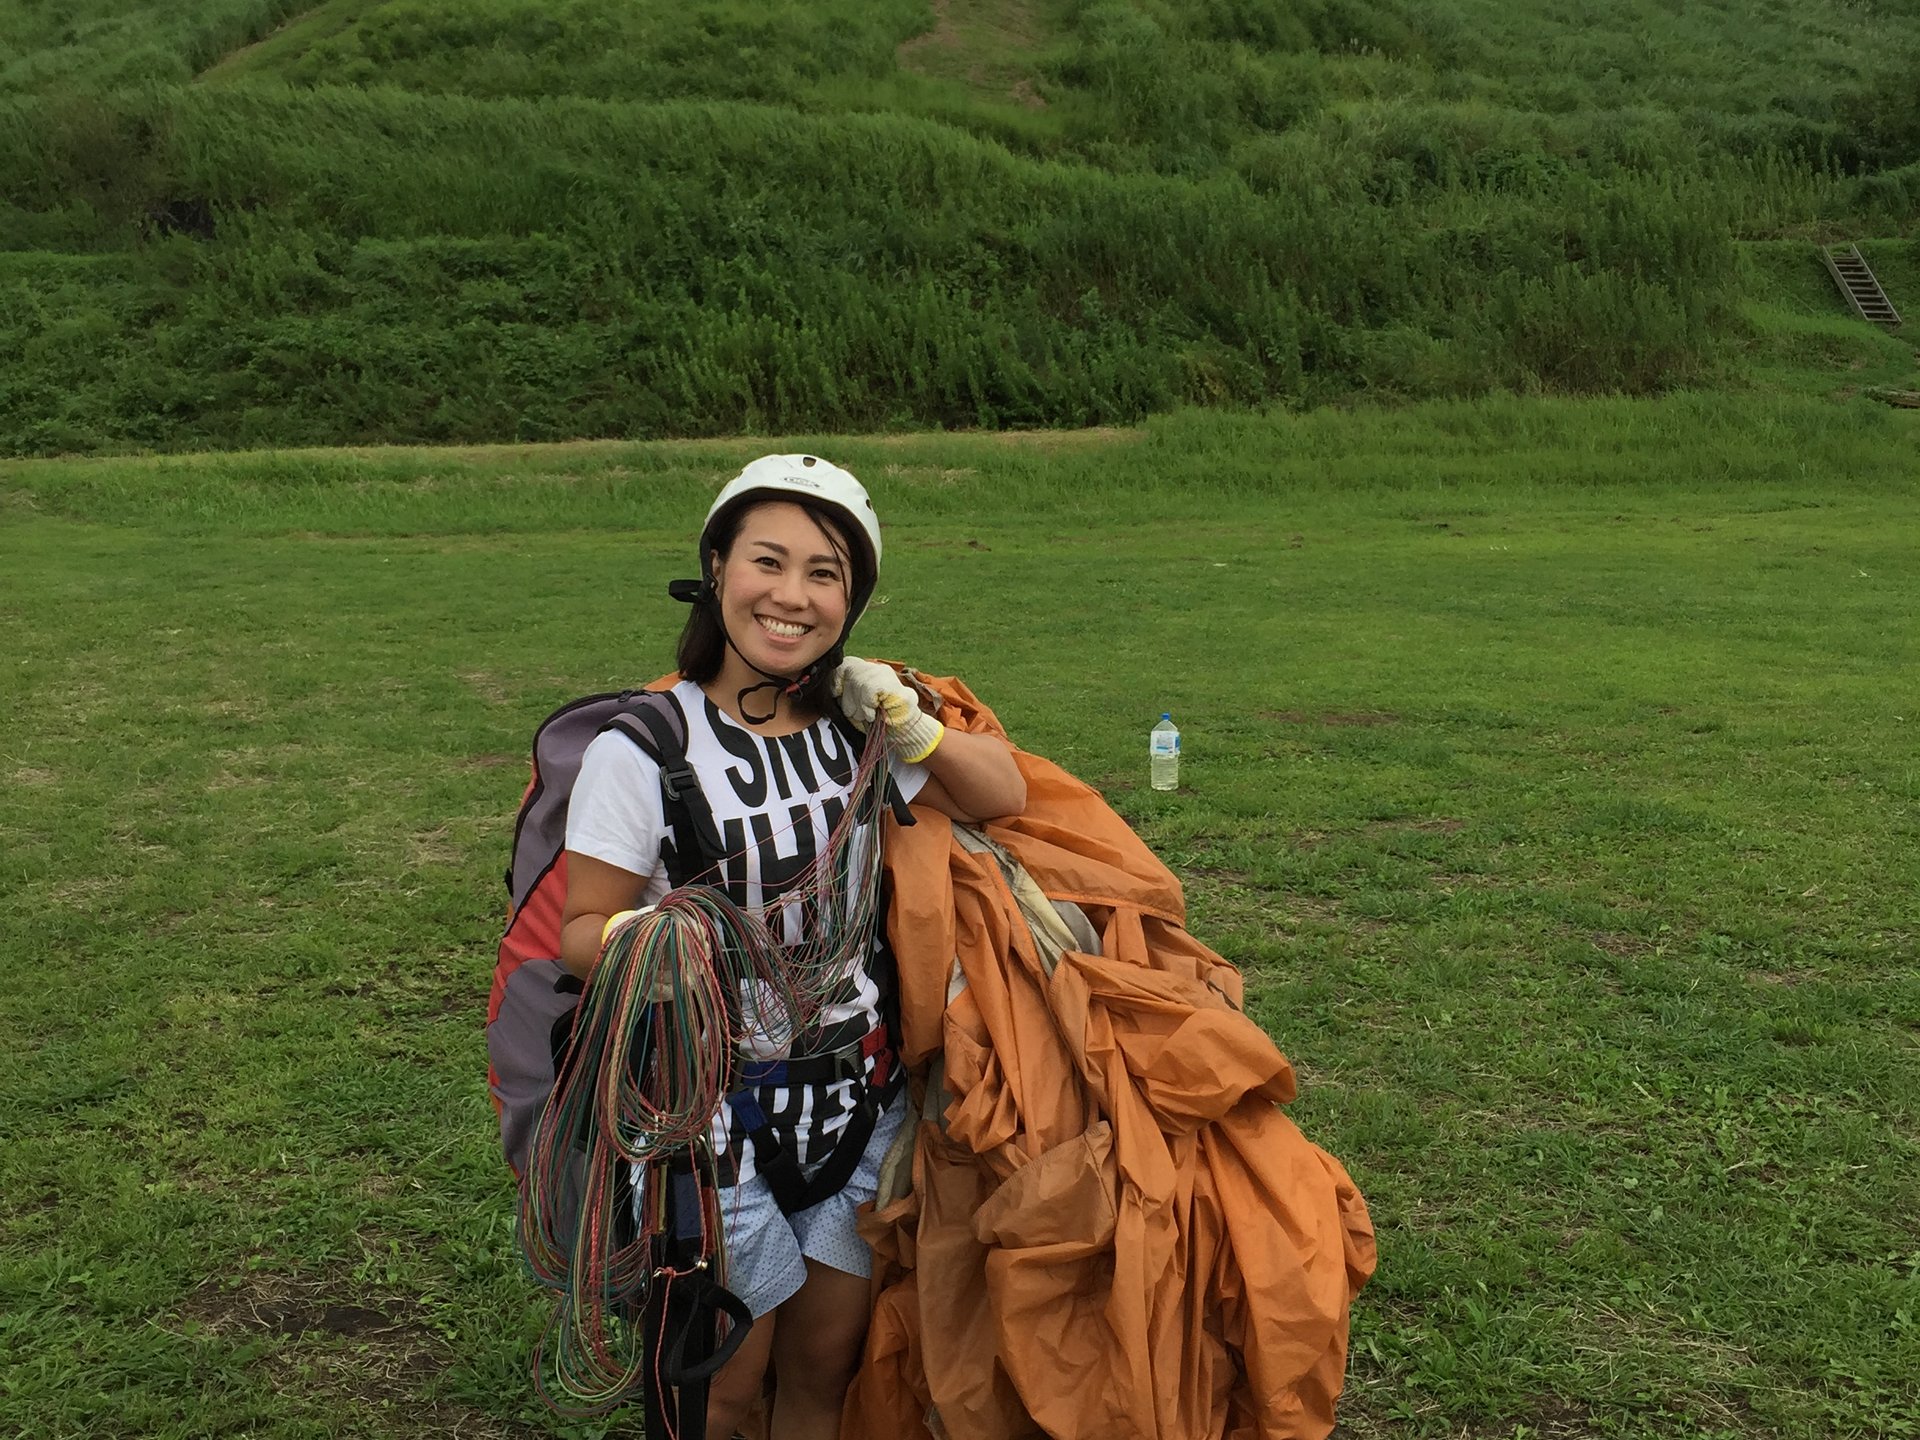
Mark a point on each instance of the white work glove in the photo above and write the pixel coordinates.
(866, 688)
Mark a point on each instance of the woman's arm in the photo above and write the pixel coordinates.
(973, 777)
(595, 891)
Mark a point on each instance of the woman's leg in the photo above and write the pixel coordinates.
(816, 1350)
(736, 1385)
(765, 1269)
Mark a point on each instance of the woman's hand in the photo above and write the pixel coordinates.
(626, 920)
(866, 688)
(970, 777)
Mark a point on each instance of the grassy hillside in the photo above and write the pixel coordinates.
(416, 220)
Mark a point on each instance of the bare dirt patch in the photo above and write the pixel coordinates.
(432, 847)
(229, 779)
(1617, 943)
(33, 775)
(232, 707)
(371, 1352)
(265, 1303)
(1225, 874)
(85, 892)
(488, 686)
(1323, 910)
(1428, 825)
(490, 762)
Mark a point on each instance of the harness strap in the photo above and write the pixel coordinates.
(681, 1320)
(849, 1062)
(793, 1189)
(696, 847)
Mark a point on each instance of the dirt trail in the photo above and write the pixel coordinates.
(507, 449)
(942, 36)
(236, 57)
(983, 54)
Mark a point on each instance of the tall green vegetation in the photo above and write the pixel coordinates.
(527, 49)
(95, 44)
(416, 221)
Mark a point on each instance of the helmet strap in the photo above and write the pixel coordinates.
(782, 686)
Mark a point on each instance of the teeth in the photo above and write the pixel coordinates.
(782, 628)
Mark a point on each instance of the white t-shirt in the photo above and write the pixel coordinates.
(775, 800)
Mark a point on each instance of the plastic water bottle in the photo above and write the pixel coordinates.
(1163, 755)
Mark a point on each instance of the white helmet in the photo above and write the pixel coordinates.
(806, 480)
(806, 476)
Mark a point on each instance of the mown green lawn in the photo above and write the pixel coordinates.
(1550, 768)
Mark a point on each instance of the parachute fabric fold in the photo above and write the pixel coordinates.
(1111, 1229)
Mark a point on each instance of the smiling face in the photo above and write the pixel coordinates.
(783, 589)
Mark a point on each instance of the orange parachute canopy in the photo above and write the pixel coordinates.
(1103, 1225)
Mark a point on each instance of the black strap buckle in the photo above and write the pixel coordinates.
(678, 781)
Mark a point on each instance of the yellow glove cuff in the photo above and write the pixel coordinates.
(918, 738)
(614, 922)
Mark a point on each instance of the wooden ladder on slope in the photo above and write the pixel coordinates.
(1855, 278)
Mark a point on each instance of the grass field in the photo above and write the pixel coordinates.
(1550, 769)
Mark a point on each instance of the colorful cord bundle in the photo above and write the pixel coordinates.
(656, 1047)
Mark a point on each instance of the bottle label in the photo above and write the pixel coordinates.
(1164, 745)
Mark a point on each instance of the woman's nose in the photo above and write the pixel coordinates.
(790, 590)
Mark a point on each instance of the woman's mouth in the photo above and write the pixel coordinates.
(782, 629)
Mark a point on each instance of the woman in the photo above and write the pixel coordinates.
(789, 557)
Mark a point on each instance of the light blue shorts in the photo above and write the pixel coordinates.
(767, 1252)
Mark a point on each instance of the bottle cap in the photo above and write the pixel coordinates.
(1166, 715)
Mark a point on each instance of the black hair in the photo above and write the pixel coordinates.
(703, 644)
